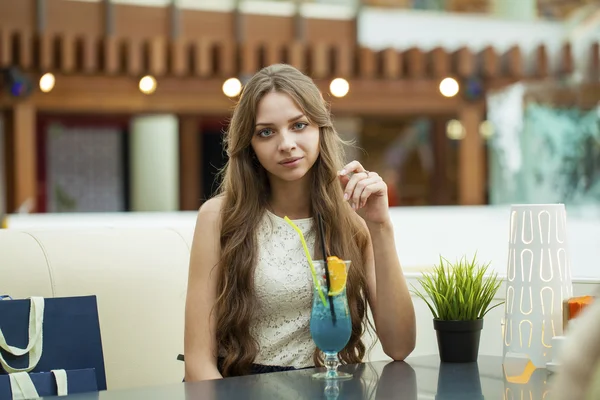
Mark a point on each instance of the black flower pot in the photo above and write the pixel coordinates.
(458, 341)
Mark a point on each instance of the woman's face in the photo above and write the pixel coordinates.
(286, 143)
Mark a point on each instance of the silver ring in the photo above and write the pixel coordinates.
(367, 172)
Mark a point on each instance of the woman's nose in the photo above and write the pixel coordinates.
(287, 141)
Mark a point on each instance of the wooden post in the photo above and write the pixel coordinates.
(320, 60)
(489, 62)
(391, 64)
(471, 158)
(190, 187)
(514, 63)
(594, 67)
(297, 55)
(21, 152)
(542, 69)
(179, 57)
(464, 62)
(440, 194)
(367, 63)
(439, 62)
(415, 59)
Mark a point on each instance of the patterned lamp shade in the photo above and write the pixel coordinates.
(538, 280)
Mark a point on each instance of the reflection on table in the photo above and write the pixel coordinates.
(417, 378)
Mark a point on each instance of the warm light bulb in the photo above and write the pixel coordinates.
(47, 82)
(449, 87)
(486, 129)
(339, 87)
(232, 87)
(455, 130)
(148, 84)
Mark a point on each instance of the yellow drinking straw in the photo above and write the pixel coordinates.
(312, 267)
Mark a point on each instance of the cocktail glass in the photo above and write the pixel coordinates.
(330, 336)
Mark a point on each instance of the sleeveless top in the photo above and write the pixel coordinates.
(283, 285)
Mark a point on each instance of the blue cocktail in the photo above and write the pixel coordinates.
(331, 331)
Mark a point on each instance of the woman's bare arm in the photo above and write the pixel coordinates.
(200, 330)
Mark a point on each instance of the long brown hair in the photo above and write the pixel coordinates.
(245, 188)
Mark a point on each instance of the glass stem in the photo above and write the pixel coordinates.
(331, 363)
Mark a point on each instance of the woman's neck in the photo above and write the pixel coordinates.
(291, 199)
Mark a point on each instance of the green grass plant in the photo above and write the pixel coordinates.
(459, 291)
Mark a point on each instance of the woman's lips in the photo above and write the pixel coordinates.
(292, 162)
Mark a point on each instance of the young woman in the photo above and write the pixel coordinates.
(250, 291)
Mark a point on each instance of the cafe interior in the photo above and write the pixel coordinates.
(481, 116)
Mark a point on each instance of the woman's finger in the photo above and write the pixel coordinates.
(352, 167)
(375, 187)
(363, 191)
(351, 186)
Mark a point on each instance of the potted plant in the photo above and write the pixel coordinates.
(459, 296)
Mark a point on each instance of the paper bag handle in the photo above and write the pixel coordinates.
(22, 386)
(36, 339)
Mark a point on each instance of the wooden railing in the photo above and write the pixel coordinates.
(69, 54)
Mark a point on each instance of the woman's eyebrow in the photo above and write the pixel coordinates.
(270, 123)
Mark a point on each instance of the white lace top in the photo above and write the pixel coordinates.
(284, 291)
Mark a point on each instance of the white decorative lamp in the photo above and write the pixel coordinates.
(538, 280)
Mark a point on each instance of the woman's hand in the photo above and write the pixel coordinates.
(366, 192)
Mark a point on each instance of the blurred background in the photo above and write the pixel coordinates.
(121, 105)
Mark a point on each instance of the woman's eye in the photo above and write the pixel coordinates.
(300, 125)
(265, 133)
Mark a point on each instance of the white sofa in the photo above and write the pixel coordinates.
(138, 269)
(139, 276)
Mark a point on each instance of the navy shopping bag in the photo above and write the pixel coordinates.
(71, 335)
(78, 381)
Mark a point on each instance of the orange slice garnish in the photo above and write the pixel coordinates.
(337, 275)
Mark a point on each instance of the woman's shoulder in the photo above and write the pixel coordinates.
(214, 204)
(210, 210)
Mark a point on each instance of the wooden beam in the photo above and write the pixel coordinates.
(111, 55)
(202, 57)
(26, 50)
(439, 188)
(567, 64)
(320, 60)
(249, 59)
(179, 57)
(5, 47)
(120, 94)
(464, 62)
(5, 164)
(344, 60)
(415, 59)
(68, 61)
(542, 69)
(272, 52)
(21, 147)
(489, 62)
(190, 185)
(90, 54)
(227, 59)
(594, 67)
(367, 63)
(158, 56)
(439, 63)
(46, 51)
(297, 55)
(513, 61)
(471, 167)
(391, 63)
(134, 57)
